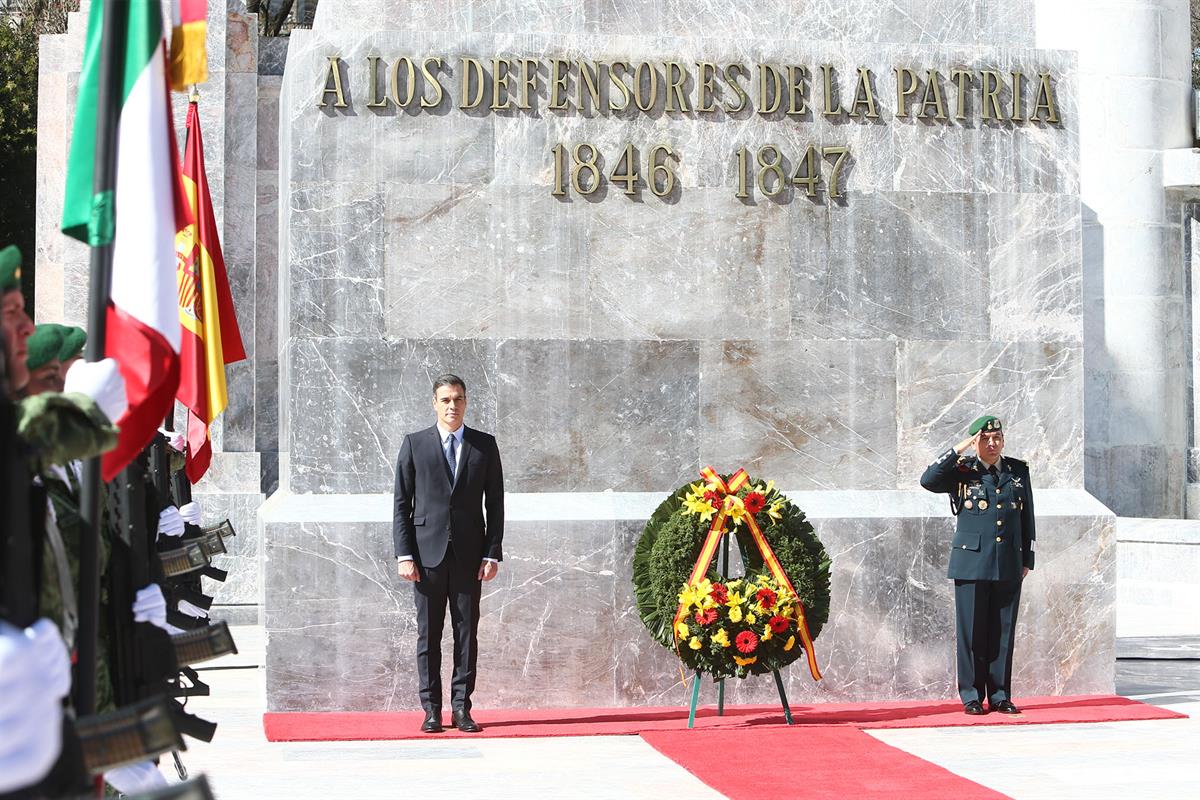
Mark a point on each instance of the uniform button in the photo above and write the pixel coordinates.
(999, 505)
(964, 547)
(999, 523)
(998, 539)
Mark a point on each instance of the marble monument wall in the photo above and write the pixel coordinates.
(615, 343)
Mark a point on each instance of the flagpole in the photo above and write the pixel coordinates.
(101, 226)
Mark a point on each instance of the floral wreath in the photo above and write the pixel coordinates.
(755, 624)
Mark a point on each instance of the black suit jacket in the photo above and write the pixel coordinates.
(428, 510)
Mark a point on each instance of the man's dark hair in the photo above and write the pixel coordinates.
(448, 379)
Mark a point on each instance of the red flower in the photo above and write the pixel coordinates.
(779, 624)
(754, 502)
(719, 593)
(766, 597)
(706, 617)
(712, 496)
(746, 642)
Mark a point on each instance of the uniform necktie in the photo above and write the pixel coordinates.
(451, 455)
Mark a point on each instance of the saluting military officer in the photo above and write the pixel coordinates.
(991, 554)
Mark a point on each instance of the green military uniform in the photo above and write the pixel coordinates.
(57, 429)
(993, 543)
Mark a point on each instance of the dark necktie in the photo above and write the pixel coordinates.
(451, 455)
(995, 473)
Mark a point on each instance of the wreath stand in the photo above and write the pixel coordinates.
(783, 701)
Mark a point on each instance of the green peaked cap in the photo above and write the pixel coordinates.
(985, 423)
(43, 344)
(73, 340)
(10, 269)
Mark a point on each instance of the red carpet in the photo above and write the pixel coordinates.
(353, 726)
(835, 763)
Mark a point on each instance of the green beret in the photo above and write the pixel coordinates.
(10, 269)
(43, 344)
(73, 340)
(985, 423)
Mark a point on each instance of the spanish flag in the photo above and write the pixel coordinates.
(209, 326)
(189, 55)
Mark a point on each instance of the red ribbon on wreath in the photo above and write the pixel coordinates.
(709, 550)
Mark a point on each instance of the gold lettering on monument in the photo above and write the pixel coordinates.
(604, 88)
(333, 73)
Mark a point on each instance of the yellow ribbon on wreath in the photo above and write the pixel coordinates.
(709, 550)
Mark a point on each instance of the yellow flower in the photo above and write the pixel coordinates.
(735, 613)
(733, 584)
(695, 643)
(745, 662)
(701, 508)
(775, 511)
(785, 611)
(721, 637)
(751, 619)
(766, 634)
(695, 594)
(735, 508)
(735, 598)
(791, 642)
(681, 629)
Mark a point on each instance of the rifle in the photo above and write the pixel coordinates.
(146, 659)
(128, 735)
(195, 789)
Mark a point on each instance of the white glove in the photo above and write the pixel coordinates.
(174, 439)
(190, 512)
(54, 662)
(150, 606)
(30, 703)
(170, 523)
(101, 381)
(135, 778)
(192, 611)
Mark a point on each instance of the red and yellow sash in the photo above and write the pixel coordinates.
(709, 550)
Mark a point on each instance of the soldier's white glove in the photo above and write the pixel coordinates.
(174, 439)
(54, 662)
(101, 381)
(170, 523)
(150, 606)
(190, 512)
(33, 680)
(192, 611)
(136, 778)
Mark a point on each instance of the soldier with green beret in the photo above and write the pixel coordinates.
(16, 324)
(42, 359)
(74, 338)
(991, 554)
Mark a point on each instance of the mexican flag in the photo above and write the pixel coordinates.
(144, 212)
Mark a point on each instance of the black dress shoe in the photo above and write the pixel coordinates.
(1004, 707)
(462, 720)
(974, 708)
(432, 723)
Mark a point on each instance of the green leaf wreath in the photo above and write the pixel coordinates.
(740, 626)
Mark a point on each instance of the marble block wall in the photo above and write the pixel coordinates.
(559, 627)
(616, 345)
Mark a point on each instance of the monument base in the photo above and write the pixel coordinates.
(559, 627)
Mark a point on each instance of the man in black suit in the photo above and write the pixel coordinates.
(447, 477)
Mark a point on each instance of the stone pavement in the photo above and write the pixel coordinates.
(1152, 760)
